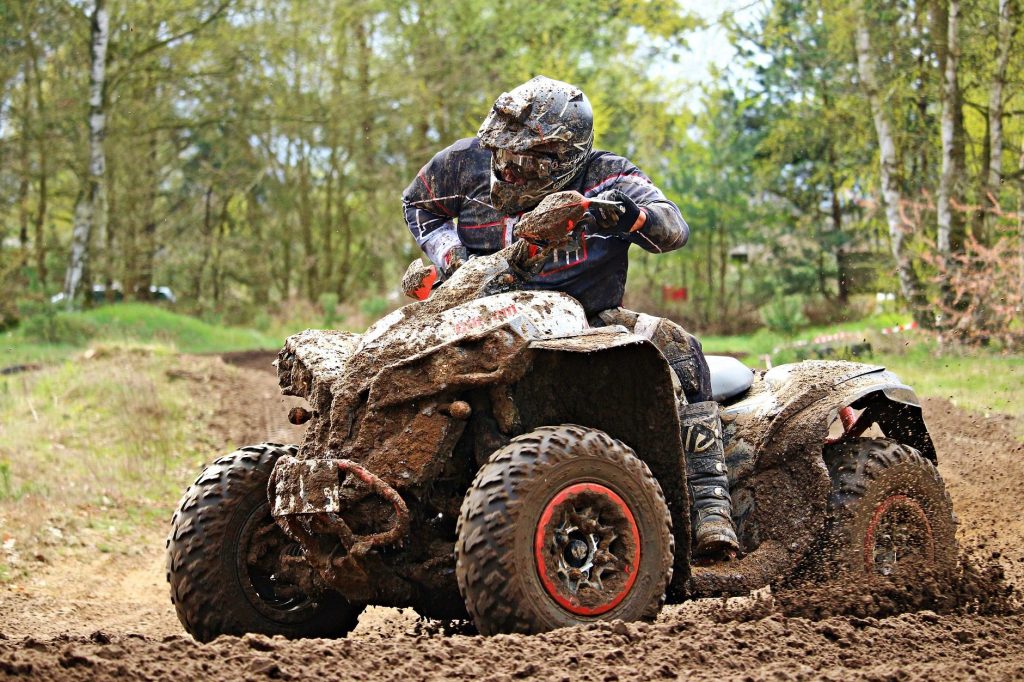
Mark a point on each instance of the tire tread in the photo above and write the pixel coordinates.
(485, 564)
(200, 590)
(857, 465)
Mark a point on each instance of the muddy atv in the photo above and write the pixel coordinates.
(487, 453)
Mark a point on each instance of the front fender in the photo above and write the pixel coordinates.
(313, 359)
(619, 383)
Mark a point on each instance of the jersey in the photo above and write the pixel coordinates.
(448, 204)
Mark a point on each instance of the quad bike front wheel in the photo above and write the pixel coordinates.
(232, 570)
(890, 512)
(564, 525)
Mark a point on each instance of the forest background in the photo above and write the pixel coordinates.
(250, 154)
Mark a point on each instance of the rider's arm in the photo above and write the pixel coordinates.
(431, 204)
(662, 227)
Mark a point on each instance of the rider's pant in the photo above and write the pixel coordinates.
(682, 350)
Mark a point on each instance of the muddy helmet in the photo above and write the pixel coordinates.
(539, 135)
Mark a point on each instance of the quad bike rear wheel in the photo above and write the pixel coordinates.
(231, 568)
(564, 525)
(889, 511)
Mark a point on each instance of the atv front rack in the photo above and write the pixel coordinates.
(315, 512)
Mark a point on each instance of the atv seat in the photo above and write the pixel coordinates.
(729, 377)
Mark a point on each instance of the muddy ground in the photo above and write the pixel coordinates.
(109, 615)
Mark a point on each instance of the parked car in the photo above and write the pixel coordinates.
(100, 294)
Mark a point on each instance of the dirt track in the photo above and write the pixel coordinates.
(111, 617)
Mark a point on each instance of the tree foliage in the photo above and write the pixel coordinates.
(788, 147)
(256, 149)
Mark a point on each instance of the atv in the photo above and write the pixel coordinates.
(487, 453)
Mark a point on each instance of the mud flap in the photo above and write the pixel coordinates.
(306, 502)
(313, 487)
(304, 486)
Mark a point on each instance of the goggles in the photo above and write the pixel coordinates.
(523, 166)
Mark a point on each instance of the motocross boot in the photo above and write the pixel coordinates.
(707, 477)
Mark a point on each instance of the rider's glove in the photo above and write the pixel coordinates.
(418, 280)
(455, 257)
(617, 219)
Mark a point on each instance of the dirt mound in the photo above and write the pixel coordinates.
(981, 460)
(112, 618)
(239, 400)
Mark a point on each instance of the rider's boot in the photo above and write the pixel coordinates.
(708, 481)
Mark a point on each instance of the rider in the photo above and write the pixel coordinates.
(536, 140)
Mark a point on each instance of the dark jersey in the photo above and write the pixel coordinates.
(449, 204)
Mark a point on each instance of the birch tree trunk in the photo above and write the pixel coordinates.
(90, 210)
(891, 195)
(42, 150)
(27, 128)
(1020, 225)
(950, 101)
(995, 112)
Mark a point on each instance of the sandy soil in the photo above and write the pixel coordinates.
(111, 616)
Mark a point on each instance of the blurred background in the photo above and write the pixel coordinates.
(242, 160)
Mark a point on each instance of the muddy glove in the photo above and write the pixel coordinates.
(418, 280)
(616, 219)
(453, 260)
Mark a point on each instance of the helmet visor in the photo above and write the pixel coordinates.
(519, 168)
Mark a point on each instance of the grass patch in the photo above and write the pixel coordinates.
(148, 323)
(983, 381)
(765, 342)
(6, 488)
(110, 427)
(110, 441)
(50, 336)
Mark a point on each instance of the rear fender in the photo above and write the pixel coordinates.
(779, 481)
(621, 384)
(897, 411)
(887, 401)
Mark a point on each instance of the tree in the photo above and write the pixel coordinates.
(952, 141)
(888, 166)
(1004, 33)
(90, 211)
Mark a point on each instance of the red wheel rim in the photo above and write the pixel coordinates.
(899, 518)
(587, 549)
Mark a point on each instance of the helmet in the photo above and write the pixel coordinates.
(539, 135)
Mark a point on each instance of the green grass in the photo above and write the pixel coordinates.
(6, 488)
(978, 380)
(764, 342)
(52, 336)
(113, 426)
(15, 350)
(147, 323)
(106, 444)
